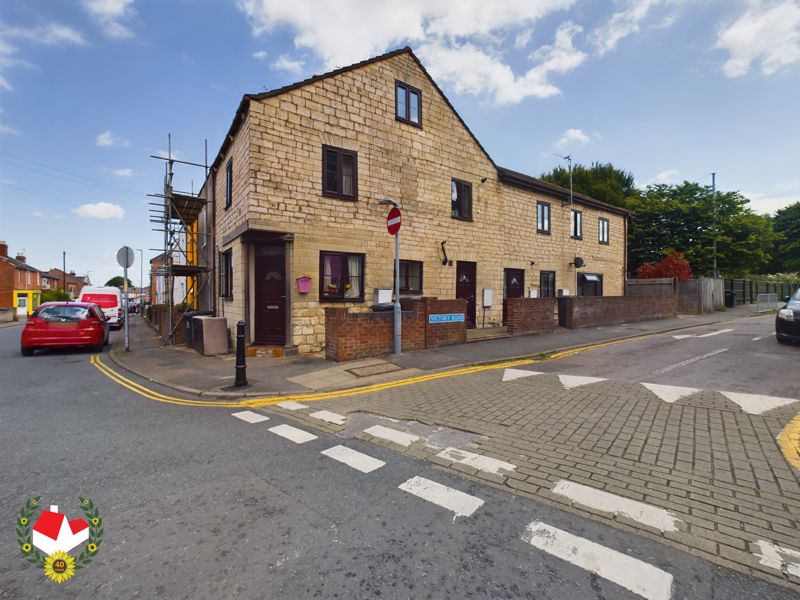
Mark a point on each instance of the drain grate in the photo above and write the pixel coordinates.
(373, 369)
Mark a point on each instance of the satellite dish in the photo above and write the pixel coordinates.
(578, 262)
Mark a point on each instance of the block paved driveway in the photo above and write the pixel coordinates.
(700, 443)
(203, 502)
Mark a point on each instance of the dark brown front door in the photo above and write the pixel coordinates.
(514, 287)
(465, 287)
(270, 295)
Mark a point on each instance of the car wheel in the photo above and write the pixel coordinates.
(98, 348)
(781, 340)
(26, 351)
(105, 343)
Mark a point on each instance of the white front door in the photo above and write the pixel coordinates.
(22, 306)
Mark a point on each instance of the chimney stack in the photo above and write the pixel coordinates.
(20, 257)
(3, 248)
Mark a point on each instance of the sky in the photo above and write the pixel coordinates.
(669, 90)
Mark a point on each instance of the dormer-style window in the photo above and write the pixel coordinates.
(408, 104)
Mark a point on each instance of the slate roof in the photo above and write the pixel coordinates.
(19, 264)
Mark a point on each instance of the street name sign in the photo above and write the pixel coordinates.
(446, 318)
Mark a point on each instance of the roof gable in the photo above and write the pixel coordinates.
(49, 524)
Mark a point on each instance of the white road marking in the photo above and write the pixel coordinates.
(250, 416)
(353, 458)
(670, 393)
(298, 436)
(689, 361)
(463, 505)
(652, 516)
(512, 374)
(755, 404)
(330, 417)
(573, 381)
(635, 575)
(476, 461)
(705, 335)
(292, 405)
(783, 559)
(758, 339)
(387, 433)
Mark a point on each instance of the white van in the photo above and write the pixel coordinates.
(109, 299)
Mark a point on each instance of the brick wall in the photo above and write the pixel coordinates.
(6, 284)
(530, 315)
(444, 334)
(351, 335)
(588, 311)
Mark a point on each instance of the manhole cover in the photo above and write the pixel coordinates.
(374, 369)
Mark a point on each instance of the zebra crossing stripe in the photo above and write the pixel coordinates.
(635, 575)
(353, 458)
(463, 505)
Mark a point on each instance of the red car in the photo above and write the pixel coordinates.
(62, 324)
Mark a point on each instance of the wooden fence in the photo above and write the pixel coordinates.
(747, 290)
(695, 296)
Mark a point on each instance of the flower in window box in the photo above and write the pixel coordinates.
(347, 286)
(331, 288)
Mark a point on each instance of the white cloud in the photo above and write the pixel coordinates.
(768, 33)
(764, 203)
(458, 40)
(260, 55)
(470, 69)
(52, 34)
(523, 38)
(284, 63)
(108, 139)
(572, 137)
(122, 172)
(621, 24)
(37, 214)
(667, 177)
(100, 210)
(5, 84)
(5, 129)
(109, 15)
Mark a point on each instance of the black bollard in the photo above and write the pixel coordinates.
(241, 367)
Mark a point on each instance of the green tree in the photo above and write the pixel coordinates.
(786, 252)
(118, 281)
(681, 218)
(602, 181)
(54, 296)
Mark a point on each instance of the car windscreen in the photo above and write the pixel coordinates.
(796, 296)
(102, 300)
(63, 313)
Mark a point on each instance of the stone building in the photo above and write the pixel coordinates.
(298, 226)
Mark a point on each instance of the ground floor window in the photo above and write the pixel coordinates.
(410, 277)
(547, 284)
(226, 274)
(341, 276)
(590, 284)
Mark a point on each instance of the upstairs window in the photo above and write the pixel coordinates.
(542, 217)
(407, 104)
(461, 199)
(229, 183)
(410, 277)
(341, 277)
(339, 173)
(576, 224)
(602, 226)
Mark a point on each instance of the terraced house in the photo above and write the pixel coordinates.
(298, 226)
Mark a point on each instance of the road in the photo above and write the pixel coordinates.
(198, 503)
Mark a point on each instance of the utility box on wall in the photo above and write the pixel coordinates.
(303, 285)
(487, 297)
(383, 296)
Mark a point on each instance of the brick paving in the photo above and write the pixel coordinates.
(717, 468)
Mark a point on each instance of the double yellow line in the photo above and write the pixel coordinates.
(146, 392)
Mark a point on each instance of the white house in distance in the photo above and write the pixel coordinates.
(53, 532)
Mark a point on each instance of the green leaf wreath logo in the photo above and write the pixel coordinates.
(46, 542)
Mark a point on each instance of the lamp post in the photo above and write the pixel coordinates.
(397, 313)
(141, 280)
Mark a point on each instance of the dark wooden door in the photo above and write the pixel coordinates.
(513, 287)
(270, 295)
(465, 287)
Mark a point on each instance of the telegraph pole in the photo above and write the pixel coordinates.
(64, 270)
(714, 200)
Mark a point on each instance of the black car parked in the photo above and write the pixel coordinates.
(787, 323)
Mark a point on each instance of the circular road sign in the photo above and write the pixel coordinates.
(393, 221)
(125, 257)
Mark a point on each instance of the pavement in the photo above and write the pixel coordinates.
(185, 370)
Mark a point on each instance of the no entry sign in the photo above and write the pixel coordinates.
(393, 220)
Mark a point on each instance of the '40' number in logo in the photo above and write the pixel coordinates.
(46, 539)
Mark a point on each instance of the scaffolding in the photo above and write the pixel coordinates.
(176, 215)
